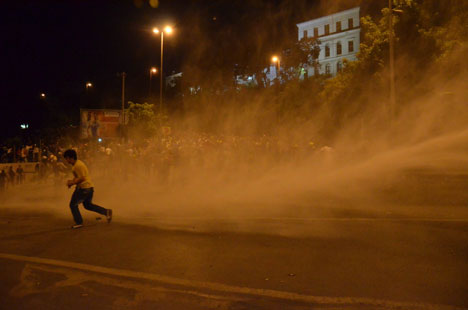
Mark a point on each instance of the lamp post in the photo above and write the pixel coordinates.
(123, 74)
(277, 61)
(391, 60)
(391, 39)
(153, 70)
(88, 85)
(167, 30)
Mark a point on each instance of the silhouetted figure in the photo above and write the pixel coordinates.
(19, 174)
(11, 176)
(3, 180)
(36, 152)
(37, 170)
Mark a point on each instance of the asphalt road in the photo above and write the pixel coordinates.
(352, 262)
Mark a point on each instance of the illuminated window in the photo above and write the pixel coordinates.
(315, 32)
(350, 23)
(338, 26)
(305, 34)
(339, 66)
(327, 51)
(327, 29)
(327, 69)
(338, 48)
(350, 46)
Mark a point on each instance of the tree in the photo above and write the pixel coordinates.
(300, 56)
(142, 121)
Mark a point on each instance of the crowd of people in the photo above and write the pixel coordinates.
(10, 177)
(166, 158)
(24, 153)
(15, 160)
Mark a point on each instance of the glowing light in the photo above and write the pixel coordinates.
(43, 95)
(24, 126)
(154, 3)
(275, 59)
(89, 84)
(154, 70)
(168, 29)
(99, 140)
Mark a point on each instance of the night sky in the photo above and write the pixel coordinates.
(55, 47)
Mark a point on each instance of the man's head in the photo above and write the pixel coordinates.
(70, 156)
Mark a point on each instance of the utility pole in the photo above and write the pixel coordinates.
(391, 109)
(161, 75)
(168, 30)
(123, 101)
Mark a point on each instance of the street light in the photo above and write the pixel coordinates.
(42, 95)
(88, 85)
(153, 70)
(276, 60)
(391, 56)
(167, 30)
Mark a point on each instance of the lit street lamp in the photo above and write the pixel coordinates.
(153, 70)
(43, 95)
(88, 85)
(277, 61)
(167, 30)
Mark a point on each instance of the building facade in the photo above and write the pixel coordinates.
(339, 36)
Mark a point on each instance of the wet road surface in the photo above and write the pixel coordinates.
(270, 263)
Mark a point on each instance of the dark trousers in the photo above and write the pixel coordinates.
(84, 196)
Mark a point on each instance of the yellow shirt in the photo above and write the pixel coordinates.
(80, 171)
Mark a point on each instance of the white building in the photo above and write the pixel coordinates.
(339, 36)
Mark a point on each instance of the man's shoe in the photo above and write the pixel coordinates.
(109, 215)
(76, 226)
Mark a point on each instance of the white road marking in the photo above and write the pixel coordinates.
(312, 219)
(146, 291)
(383, 304)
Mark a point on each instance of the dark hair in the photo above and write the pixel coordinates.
(70, 154)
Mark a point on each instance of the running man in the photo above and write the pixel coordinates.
(84, 190)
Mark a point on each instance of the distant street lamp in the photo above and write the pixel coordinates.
(153, 70)
(277, 61)
(88, 85)
(167, 30)
(43, 95)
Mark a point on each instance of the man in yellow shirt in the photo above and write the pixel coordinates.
(84, 190)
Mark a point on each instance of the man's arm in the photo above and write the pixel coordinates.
(75, 181)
